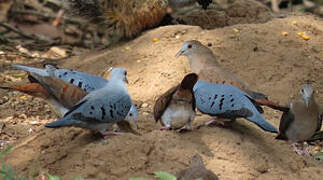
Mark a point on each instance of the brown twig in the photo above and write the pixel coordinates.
(25, 35)
(51, 16)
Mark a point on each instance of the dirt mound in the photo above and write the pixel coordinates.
(271, 63)
(239, 12)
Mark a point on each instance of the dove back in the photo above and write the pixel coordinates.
(229, 102)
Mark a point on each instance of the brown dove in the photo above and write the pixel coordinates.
(176, 107)
(302, 120)
(196, 170)
(204, 63)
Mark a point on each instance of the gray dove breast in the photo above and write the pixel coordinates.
(106, 105)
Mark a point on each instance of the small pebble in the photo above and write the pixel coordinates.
(144, 105)
(316, 49)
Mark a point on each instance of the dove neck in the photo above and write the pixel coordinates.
(116, 82)
(200, 61)
(301, 106)
(196, 161)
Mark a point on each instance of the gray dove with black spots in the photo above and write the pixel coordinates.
(101, 108)
(227, 101)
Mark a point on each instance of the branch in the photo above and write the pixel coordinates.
(25, 35)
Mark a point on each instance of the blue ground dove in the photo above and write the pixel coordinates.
(227, 101)
(100, 108)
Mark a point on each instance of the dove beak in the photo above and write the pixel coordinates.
(126, 80)
(179, 53)
(307, 101)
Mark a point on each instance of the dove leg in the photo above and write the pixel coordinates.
(219, 122)
(299, 152)
(305, 151)
(189, 122)
(164, 128)
(111, 133)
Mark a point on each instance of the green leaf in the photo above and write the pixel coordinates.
(10, 172)
(319, 156)
(5, 151)
(50, 177)
(164, 176)
(137, 178)
(199, 179)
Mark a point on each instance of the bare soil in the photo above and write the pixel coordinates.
(271, 63)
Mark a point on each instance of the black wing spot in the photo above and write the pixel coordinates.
(71, 81)
(103, 112)
(91, 112)
(92, 107)
(230, 95)
(111, 113)
(209, 98)
(65, 73)
(60, 76)
(72, 71)
(215, 96)
(221, 103)
(80, 84)
(231, 100)
(232, 105)
(212, 104)
(222, 95)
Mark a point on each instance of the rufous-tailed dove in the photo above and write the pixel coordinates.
(302, 120)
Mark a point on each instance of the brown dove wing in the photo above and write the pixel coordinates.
(66, 93)
(163, 101)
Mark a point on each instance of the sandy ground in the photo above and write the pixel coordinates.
(271, 63)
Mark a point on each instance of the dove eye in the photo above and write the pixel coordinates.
(125, 73)
(130, 114)
(302, 90)
(189, 46)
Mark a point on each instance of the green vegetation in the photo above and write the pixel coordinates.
(8, 173)
(161, 175)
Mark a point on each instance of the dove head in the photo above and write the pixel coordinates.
(307, 93)
(197, 54)
(119, 73)
(196, 161)
(132, 116)
(190, 48)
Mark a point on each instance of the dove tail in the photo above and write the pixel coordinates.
(60, 123)
(268, 103)
(260, 121)
(30, 69)
(257, 95)
(281, 137)
(189, 81)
